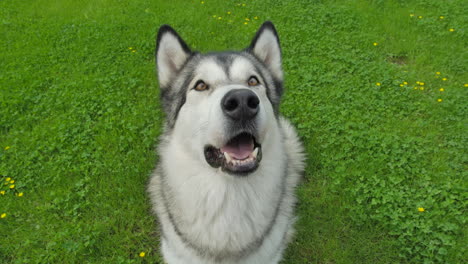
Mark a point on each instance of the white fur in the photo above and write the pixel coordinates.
(223, 211)
(240, 68)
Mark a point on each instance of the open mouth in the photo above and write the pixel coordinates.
(241, 155)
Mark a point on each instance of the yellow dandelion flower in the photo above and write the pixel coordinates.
(7, 147)
(142, 254)
(229, 12)
(256, 17)
(8, 179)
(12, 181)
(405, 83)
(466, 85)
(420, 17)
(2, 192)
(247, 19)
(12, 186)
(401, 85)
(378, 84)
(441, 17)
(421, 209)
(438, 73)
(133, 51)
(418, 82)
(202, 2)
(439, 100)
(411, 15)
(421, 88)
(441, 89)
(444, 79)
(245, 23)
(3, 215)
(130, 48)
(20, 194)
(421, 83)
(415, 88)
(219, 18)
(375, 43)
(452, 30)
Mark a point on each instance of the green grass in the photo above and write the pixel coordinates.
(79, 120)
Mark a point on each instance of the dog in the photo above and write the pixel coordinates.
(223, 190)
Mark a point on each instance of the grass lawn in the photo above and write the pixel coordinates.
(377, 89)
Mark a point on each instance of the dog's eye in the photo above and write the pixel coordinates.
(253, 81)
(200, 86)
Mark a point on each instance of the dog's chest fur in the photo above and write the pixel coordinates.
(217, 219)
(221, 211)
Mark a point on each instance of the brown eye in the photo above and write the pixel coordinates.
(201, 86)
(253, 81)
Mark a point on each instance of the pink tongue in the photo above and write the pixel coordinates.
(239, 148)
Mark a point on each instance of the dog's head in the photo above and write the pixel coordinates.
(220, 106)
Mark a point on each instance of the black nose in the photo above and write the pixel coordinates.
(240, 104)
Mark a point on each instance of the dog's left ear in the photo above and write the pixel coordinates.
(266, 47)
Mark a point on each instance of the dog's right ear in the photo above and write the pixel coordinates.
(171, 54)
(266, 47)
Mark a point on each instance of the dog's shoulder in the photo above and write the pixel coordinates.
(293, 143)
(294, 151)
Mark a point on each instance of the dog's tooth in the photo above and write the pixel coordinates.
(255, 152)
(228, 158)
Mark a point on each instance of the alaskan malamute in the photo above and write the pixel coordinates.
(223, 190)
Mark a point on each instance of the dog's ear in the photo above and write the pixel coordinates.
(266, 47)
(171, 54)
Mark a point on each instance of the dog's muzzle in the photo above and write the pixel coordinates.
(242, 153)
